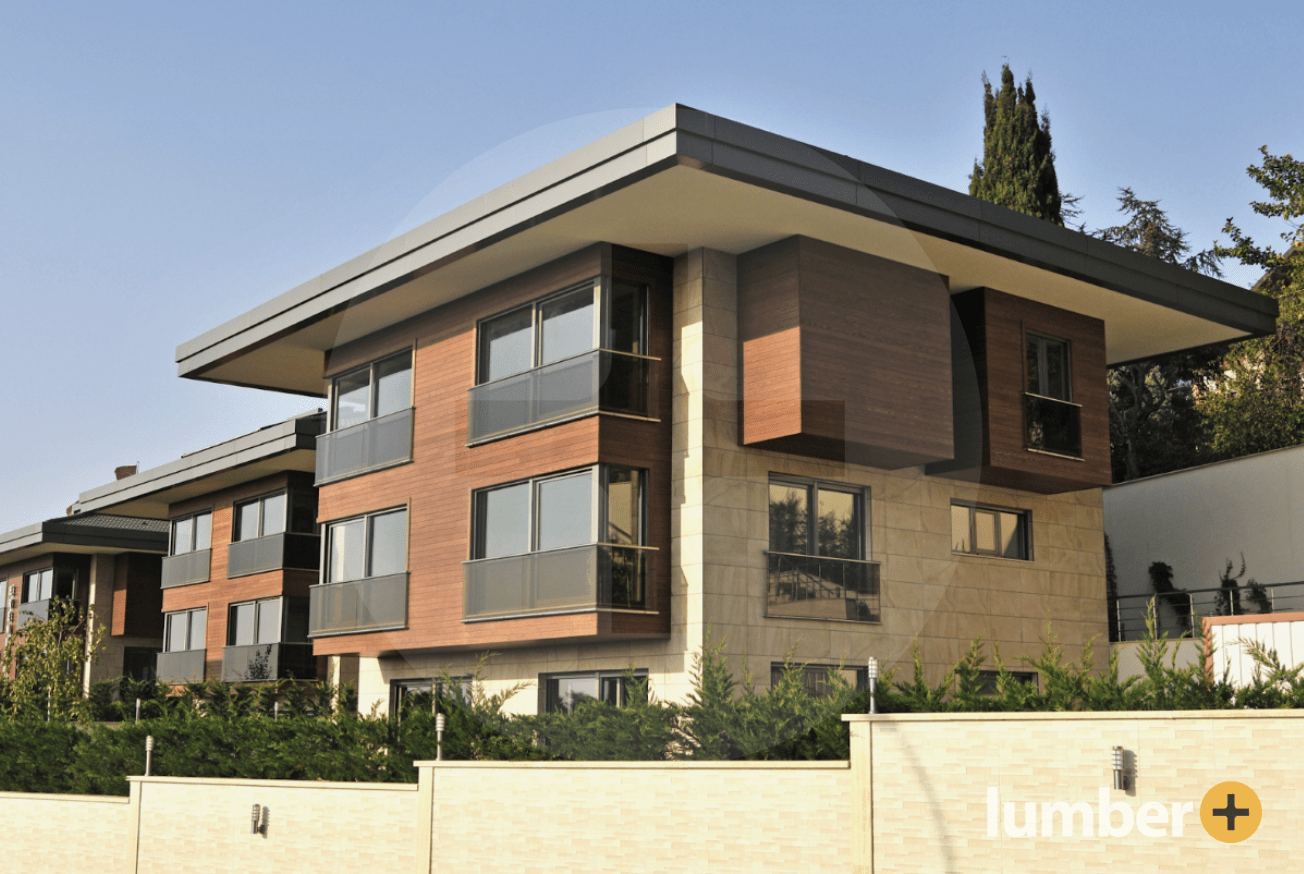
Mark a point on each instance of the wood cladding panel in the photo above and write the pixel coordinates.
(995, 326)
(220, 591)
(872, 344)
(437, 485)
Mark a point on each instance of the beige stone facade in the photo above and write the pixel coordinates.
(720, 535)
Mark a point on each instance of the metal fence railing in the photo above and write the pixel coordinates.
(1174, 611)
(822, 587)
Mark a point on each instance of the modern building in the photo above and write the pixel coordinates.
(108, 565)
(239, 526)
(692, 384)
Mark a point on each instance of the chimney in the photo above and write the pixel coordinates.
(125, 471)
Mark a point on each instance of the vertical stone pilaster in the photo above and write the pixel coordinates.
(862, 797)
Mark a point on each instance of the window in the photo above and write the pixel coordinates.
(987, 680)
(254, 622)
(604, 504)
(995, 531)
(415, 694)
(1048, 367)
(817, 518)
(48, 583)
(562, 693)
(818, 680)
(192, 533)
(185, 630)
(138, 662)
(372, 391)
(261, 517)
(569, 323)
(367, 546)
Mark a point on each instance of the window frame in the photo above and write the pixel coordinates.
(262, 515)
(26, 590)
(810, 670)
(599, 504)
(1042, 339)
(547, 695)
(863, 496)
(283, 616)
(603, 287)
(974, 508)
(189, 643)
(373, 386)
(190, 517)
(328, 539)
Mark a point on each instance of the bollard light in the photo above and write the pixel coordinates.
(439, 737)
(871, 672)
(138, 710)
(149, 752)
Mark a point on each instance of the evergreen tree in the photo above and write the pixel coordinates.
(1256, 401)
(1153, 423)
(1018, 166)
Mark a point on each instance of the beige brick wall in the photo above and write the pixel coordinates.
(203, 826)
(52, 834)
(642, 817)
(931, 774)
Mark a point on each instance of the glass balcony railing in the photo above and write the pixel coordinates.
(597, 381)
(175, 668)
(268, 661)
(373, 604)
(274, 552)
(599, 576)
(1052, 425)
(820, 587)
(31, 611)
(186, 569)
(371, 445)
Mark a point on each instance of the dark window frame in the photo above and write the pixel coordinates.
(373, 387)
(190, 647)
(1043, 342)
(282, 619)
(262, 515)
(862, 494)
(599, 505)
(815, 676)
(328, 536)
(549, 695)
(602, 287)
(194, 530)
(987, 680)
(974, 508)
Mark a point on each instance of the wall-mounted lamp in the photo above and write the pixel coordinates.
(1120, 774)
(149, 752)
(872, 673)
(258, 820)
(439, 737)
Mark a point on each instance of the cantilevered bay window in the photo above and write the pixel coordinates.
(365, 586)
(370, 420)
(565, 543)
(580, 351)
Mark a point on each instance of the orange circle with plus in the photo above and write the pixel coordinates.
(1231, 812)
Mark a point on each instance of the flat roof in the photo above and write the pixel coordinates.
(288, 445)
(89, 533)
(681, 179)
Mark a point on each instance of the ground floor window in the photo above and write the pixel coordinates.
(819, 680)
(994, 531)
(562, 693)
(415, 693)
(138, 662)
(987, 680)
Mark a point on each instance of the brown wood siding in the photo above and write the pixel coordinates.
(436, 486)
(873, 348)
(220, 591)
(996, 325)
(137, 598)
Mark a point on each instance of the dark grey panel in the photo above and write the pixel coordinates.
(186, 569)
(361, 605)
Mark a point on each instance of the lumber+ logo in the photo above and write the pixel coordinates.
(1230, 812)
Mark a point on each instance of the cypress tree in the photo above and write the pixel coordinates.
(1018, 166)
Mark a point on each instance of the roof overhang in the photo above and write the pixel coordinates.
(287, 446)
(89, 534)
(681, 179)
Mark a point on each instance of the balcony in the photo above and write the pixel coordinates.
(1052, 426)
(186, 569)
(175, 668)
(374, 604)
(31, 611)
(274, 552)
(598, 576)
(819, 587)
(373, 445)
(268, 661)
(597, 381)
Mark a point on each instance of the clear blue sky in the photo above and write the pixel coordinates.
(168, 166)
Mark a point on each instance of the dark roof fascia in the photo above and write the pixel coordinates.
(61, 532)
(298, 433)
(679, 135)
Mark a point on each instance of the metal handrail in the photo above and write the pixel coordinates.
(1234, 606)
(1033, 394)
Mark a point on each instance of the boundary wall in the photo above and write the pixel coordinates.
(922, 793)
